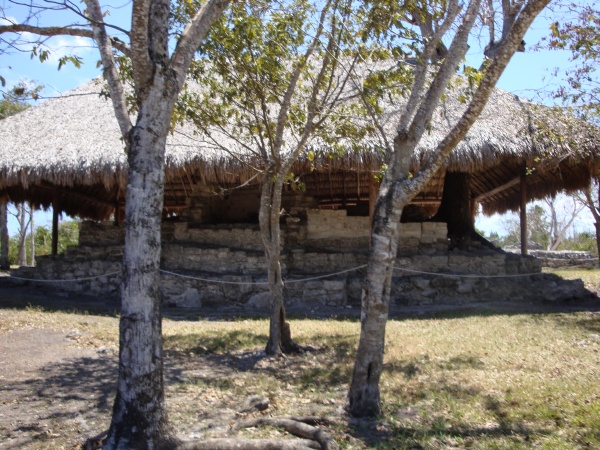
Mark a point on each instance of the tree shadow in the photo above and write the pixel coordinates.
(405, 428)
(74, 394)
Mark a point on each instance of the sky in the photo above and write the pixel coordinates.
(528, 75)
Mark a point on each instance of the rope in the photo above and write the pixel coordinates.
(451, 275)
(264, 283)
(65, 281)
(189, 277)
(325, 276)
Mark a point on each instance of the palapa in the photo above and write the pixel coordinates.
(69, 148)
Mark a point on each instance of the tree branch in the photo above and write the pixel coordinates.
(61, 31)
(506, 49)
(194, 34)
(117, 93)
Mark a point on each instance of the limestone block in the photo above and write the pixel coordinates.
(439, 230)
(421, 283)
(459, 263)
(408, 244)
(410, 230)
(188, 299)
(312, 295)
(428, 240)
(354, 290)
(465, 286)
(260, 301)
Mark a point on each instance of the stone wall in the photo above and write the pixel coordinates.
(560, 258)
(224, 265)
(565, 258)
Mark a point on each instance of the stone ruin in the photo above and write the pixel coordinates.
(324, 254)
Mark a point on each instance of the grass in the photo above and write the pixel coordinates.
(495, 381)
(590, 277)
(477, 381)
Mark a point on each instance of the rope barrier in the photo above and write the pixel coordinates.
(189, 277)
(264, 282)
(66, 280)
(302, 280)
(208, 280)
(452, 275)
(325, 276)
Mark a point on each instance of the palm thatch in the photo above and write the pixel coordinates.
(68, 151)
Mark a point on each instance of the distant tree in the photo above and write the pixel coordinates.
(538, 228)
(18, 97)
(590, 197)
(561, 218)
(13, 101)
(547, 223)
(68, 235)
(583, 242)
(23, 214)
(578, 31)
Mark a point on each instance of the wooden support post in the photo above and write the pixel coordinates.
(524, 214)
(55, 213)
(4, 234)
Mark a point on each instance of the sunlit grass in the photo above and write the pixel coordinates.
(504, 381)
(590, 277)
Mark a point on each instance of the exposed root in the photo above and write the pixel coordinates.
(250, 444)
(311, 437)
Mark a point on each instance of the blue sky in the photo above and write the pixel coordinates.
(528, 75)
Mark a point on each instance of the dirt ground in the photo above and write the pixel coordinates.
(56, 383)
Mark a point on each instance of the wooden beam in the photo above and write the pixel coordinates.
(523, 214)
(425, 201)
(4, 241)
(498, 189)
(55, 213)
(77, 195)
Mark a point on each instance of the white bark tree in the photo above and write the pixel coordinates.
(590, 197)
(561, 221)
(4, 238)
(439, 23)
(278, 86)
(24, 217)
(139, 415)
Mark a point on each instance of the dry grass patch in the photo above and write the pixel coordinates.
(469, 381)
(590, 277)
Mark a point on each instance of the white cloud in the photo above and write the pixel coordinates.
(69, 45)
(9, 20)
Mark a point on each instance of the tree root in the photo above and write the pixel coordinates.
(312, 437)
(250, 444)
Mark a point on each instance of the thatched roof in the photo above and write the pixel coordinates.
(70, 147)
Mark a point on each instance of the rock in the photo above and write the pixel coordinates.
(189, 299)
(262, 300)
(421, 283)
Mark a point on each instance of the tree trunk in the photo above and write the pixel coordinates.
(139, 415)
(597, 225)
(4, 264)
(32, 241)
(280, 337)
(363, 396)
(21, 216)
